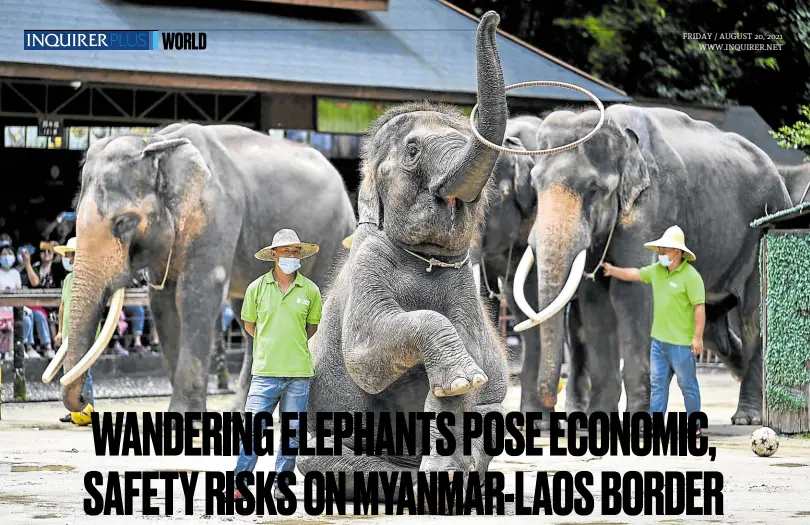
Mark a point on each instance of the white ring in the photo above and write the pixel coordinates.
(551, 151)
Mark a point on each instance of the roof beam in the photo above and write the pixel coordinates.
(356, 5)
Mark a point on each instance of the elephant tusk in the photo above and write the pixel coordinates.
(56, 363)
(116, 305)
(568, 291)
(522, 271)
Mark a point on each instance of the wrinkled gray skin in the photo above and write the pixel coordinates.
(509, 220)
(214, 196)
(648, 169)
(393, 337)
(797, 179)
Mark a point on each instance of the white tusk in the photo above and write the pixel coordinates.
(477, 276)
(56, 363)
(522, 271)
(568, 291)
(116, 305)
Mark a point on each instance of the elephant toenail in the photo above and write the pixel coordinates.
(479, 379)
(459, 383)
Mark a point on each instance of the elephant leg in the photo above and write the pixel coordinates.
(749, 405)
(600, 350)
(243, 384)
(199, 295)
(576, 392)
(167, 321)
(632, 308)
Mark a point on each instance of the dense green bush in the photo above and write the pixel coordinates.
(788, 313)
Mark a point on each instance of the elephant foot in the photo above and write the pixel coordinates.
(747, 416)
(457, 378)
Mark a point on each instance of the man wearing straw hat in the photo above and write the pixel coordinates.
(281, 311)
(68, 253)
(679, 317)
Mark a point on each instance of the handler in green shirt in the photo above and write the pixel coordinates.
(679, 316)
(281, 311)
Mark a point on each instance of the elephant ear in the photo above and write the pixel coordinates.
(369, 205)
(182, 171)
(637, 169)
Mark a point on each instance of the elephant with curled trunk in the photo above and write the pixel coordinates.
(644, 171)
(191, 204)
(403, 329)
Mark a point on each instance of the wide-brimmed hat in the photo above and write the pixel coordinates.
(284, 238)
(672, 238)
(65, 249)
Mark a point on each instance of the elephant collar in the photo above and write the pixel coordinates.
(436, 262)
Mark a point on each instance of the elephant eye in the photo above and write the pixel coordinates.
(412, 149)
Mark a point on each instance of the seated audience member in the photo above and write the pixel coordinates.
(9, 280)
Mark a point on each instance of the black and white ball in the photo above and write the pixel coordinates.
(764, 442)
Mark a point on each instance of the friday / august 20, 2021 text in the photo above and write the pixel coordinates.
(558, 493)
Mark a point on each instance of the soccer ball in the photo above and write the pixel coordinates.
(764, 442)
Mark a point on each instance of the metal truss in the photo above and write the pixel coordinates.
(120, 103)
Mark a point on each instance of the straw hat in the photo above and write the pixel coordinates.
(672, 238)
(70, 247)
(283, 238)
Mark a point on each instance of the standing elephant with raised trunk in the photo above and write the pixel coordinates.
(191, 204)
(644, 171)
(404, 329)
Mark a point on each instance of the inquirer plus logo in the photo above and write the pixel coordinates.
(39, 40)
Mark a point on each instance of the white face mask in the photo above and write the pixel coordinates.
(66, 264)
(664, 260)
(288, 265)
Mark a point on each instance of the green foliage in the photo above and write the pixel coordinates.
(787, 304)
(797, 135)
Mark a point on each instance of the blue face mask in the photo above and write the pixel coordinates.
(66, 264)
(7, 261)
(664, 260)
(288, 265)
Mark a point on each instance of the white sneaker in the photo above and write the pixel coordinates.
(50, 354)
(32, 354)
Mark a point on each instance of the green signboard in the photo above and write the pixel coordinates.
(353, 117)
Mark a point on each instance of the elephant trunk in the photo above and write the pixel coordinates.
(97, 264)
(558, 233)
(473, 164)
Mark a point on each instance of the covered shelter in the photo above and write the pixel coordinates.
(318, 73)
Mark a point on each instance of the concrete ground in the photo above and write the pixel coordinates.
(42, 465)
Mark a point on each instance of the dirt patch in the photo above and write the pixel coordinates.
(42, 468)
(801, 513)
(789, 465)
(45, 516)
(17, 498)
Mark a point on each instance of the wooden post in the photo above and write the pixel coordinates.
(19, 355)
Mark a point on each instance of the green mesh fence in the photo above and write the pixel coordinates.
(787, 303)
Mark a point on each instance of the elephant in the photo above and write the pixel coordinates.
(645, 170)
(191, 205)
(404, 329)
(797, 179)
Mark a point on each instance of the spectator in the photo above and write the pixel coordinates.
(42, 274)
(9, 280)
(137, 316)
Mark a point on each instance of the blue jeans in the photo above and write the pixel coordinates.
(39, 319)
(263, 396)
(665, 360)
(87, 389)
(227, 317)
(136, 314)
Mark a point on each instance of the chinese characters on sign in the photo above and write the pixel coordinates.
(50, 128)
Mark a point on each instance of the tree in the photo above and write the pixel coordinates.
(649, 48)
(797, 135)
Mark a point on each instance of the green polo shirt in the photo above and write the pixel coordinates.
(675, 295)
(67, 296)
(280, 346)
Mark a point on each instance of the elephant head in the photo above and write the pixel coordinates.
(512, 201)
(581, 194)
(140, 200)
(424, 172)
